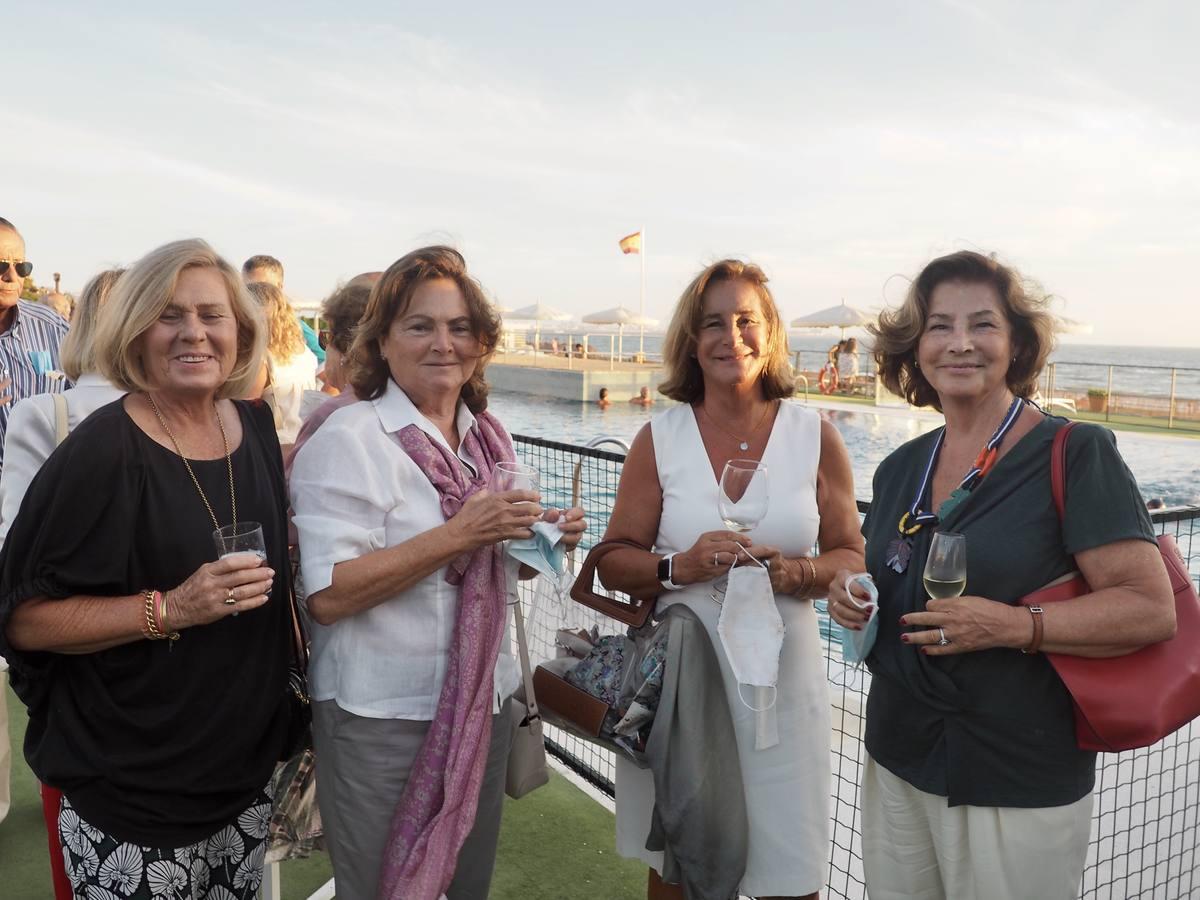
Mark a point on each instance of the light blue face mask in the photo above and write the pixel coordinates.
(544, 551)
(856, 645)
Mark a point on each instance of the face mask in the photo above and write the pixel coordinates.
(856, 645)
(751, 632)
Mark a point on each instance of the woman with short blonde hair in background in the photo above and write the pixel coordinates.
(156, 674)
(291, 368)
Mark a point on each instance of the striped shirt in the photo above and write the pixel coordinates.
(29, 356)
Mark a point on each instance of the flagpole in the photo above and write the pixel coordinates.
(642, 303)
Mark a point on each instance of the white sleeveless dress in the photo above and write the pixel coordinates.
(787, 786)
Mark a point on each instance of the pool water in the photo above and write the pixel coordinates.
(1164, 466)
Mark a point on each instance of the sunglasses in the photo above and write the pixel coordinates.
(22, 268)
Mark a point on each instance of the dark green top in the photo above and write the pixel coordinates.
(992, 727)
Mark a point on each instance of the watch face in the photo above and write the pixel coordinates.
(664, 568)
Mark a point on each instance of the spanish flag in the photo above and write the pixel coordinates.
(631, 243)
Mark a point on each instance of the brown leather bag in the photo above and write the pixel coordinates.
(631, 612)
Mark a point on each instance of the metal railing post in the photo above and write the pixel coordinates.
(1171, 403)
(1109, 405)
(1050, 385)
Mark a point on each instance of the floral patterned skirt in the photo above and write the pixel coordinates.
(226, 866)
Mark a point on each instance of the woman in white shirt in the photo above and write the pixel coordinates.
(402, 557)
(39, 423)
(291, 367)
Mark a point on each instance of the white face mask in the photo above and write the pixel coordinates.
(751, 631)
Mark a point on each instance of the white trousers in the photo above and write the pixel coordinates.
(916, 847)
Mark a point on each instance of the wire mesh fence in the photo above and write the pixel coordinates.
(1146, 814)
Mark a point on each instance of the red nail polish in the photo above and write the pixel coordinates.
(906, 638)
(903, 620)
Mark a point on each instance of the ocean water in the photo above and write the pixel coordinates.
(1138, 370)
(1166, 466)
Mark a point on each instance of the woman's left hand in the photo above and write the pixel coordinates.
(783, 580)
(966, 623)
(570, 522)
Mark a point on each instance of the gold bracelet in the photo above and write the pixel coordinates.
(806, 588)
(151, 631)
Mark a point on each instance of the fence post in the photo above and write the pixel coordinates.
(1050, 386)
(1171, 405)
(1108, 407)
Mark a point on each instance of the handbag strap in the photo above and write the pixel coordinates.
(61, 426)
(531, 707)
(1058, 469)
(635, 613)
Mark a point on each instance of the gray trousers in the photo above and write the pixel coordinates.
(362, 767)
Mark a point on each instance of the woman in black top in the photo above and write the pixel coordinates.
(155, 676)
(974, 784)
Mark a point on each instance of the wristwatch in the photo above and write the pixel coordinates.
(666, 568)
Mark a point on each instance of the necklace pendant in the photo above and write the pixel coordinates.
(899, 551)
(744, 446)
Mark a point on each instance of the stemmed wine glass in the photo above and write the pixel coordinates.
(946, 566)
(742, 498)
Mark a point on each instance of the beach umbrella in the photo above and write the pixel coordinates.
(619, 316)
(538, 313)
(840, 316)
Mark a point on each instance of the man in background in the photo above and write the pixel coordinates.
(29, 337)
(269, 269)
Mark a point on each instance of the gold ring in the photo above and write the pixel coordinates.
(230, 599)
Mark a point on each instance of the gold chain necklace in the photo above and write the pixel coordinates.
(743, 443)
(195, 481)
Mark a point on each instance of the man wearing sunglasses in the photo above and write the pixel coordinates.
(29, 333)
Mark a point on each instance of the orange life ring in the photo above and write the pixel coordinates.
(827, 380)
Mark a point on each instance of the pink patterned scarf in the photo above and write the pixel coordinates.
(437, 810)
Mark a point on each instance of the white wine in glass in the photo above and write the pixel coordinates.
(946, 566)
(742, 497)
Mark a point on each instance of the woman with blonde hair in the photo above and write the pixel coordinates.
(974, 784)
(156, 674)
(290, 367)
(727, 365)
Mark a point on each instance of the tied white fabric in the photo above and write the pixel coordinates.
(751, 631)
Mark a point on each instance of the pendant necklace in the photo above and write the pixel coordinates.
(899, 550)
(743, 443)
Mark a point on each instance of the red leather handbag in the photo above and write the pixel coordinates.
(1126, 702)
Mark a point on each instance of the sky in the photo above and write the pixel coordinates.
(840, 146)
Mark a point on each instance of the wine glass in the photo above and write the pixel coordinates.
(741, 501)
(742, 498)
(242, 537)
(946, 566)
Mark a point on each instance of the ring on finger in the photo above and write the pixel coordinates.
(229, 598)
(942, 639)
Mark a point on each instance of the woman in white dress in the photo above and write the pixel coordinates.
(726, 356)
(291, 368)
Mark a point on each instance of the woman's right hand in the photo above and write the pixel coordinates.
(711, 557)
(488, 518)
(202, 598)
(842, 609)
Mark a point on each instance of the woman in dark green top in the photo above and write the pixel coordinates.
(974, 786)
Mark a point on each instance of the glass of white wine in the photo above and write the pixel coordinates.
(513, 476)
(244, 537)
(946, 566)
(742, 498)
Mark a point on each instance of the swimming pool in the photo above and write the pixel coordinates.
(1166, 466)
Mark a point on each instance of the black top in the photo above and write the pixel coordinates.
(993, 727)
(158, 743)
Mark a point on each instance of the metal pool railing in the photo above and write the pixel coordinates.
(1146, 818)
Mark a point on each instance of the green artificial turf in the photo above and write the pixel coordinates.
(555, 843)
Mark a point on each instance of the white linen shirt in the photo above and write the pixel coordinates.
(355, 490)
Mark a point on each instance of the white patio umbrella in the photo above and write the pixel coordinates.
(619, 316)
(840, 316)
(538, 313)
